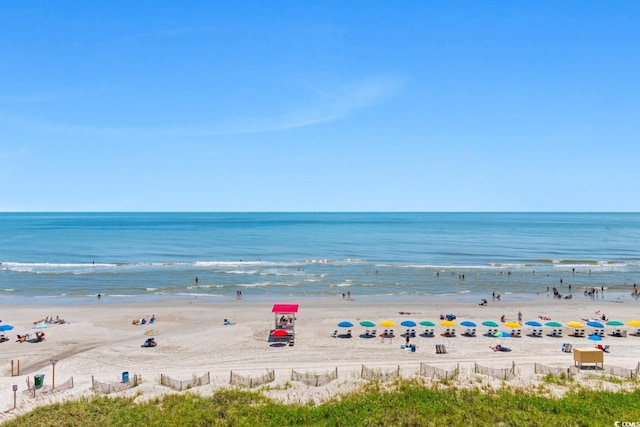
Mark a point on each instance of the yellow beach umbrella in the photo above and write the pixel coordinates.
(634, 323)
(575, 325)
(448, 323)
(387, 324)
(513, 325)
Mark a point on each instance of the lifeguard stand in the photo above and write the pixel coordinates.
(285, 317)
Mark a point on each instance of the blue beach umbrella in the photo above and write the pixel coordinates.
(502, 334)
(533, 323)
(468, 324)
(595, 337)
(408, 323)
(6, 327)
(595, 324)
(345, 324)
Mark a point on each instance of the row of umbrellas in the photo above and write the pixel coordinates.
(489, 323)
(387, 324)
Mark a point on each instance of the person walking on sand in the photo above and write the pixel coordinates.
(519, 317)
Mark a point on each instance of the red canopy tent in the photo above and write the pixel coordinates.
(285, 317)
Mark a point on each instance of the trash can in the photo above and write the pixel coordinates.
(125, 377)
(38, 380)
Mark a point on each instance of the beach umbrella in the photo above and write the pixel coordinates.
(490, 323)
(6, 327)
(553, 324)
(595, 337)
(502, 334)
(575, 325)
(468, 324)
(634, 323)
(345, 324)
(387, 324)
(427, 323)
(615, 323)
(513, 325)
(367, 324)
(594, 324)
(533, 323)
(448, 323)
(408, 323)
(280, 333)
(151, 332)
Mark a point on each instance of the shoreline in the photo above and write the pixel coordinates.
(99, 341)
(425, 298)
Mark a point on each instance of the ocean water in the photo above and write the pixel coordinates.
(71, 257)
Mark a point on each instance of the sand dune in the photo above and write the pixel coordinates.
(100, 341)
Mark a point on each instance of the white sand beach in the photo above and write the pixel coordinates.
(100, 341)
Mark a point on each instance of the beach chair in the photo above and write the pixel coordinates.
(335, 333)
(582, 332)
(638, 332)
(441, 349)
(413, 333)
(349, 333)
(566, 348)
(606, 348)
(374, 332)
(560, 332)
(391, 333)
(518, 333)
(554, 333)
(407, 333)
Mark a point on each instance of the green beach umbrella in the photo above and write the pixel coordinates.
(427, 323)
(615, 323)
(553, 324)
(367, 324)
(490, 323)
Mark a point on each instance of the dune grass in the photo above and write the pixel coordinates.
(408, 404)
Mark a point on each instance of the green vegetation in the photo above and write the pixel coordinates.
(408, 404)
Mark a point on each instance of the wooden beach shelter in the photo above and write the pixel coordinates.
(285, 317)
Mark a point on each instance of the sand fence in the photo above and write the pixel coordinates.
(247, 381)
(110, 387)
(435, 372)
(38, 389)
(313, 379)
(498, 373)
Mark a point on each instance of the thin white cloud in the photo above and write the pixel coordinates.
(326, 106)
(321, 106)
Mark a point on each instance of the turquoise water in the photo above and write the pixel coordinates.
(63, 257)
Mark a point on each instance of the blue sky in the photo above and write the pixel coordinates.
(319, 106)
